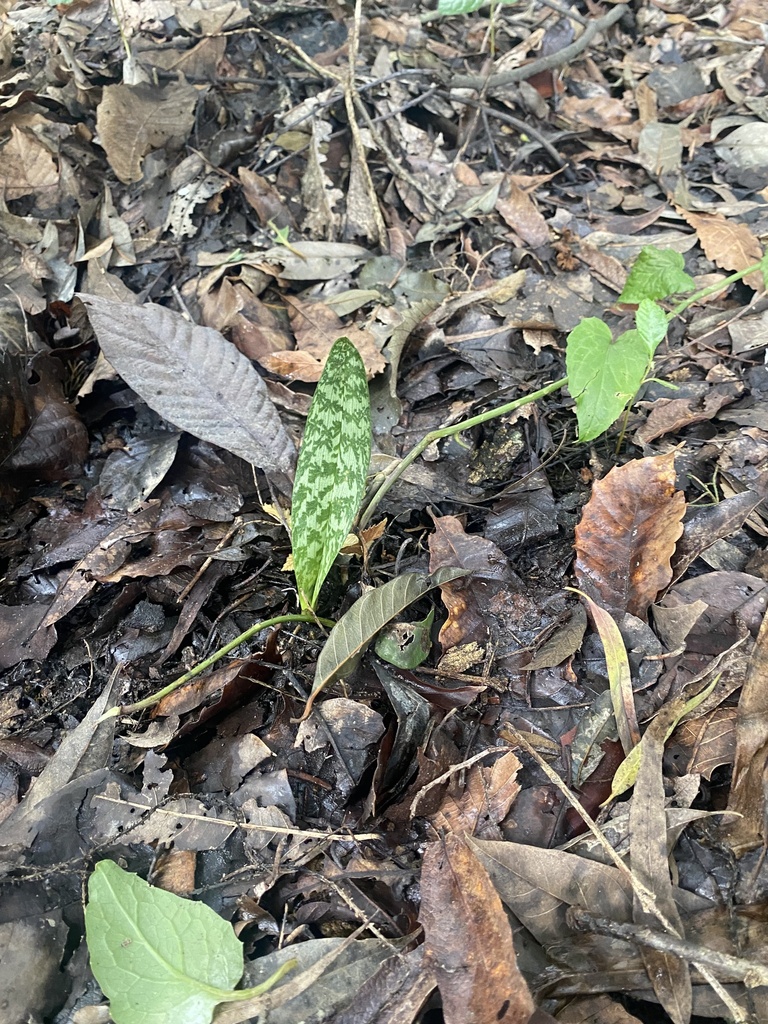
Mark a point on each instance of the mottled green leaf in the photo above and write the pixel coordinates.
(332, 468)
(656, 274)
(354, 631)
(603, 375)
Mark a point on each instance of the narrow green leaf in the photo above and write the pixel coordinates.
(656, 274)
(651, 322)
(603, 375)
(332, 468)
(448, 7)
(406, 644)
(354, 631)
(764, 268)
(626, 774)
(619, 675)
(159, 959)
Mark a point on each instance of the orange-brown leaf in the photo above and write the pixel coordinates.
(627, 535)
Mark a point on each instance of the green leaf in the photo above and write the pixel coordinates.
(448, 7)
(406, 644)
(332, 468)
(354, 631)
(603, 375)
(651, 322)
(656, 274)
(159, 959)
(764, 268)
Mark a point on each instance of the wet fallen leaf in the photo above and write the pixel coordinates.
(627, 535)
(478, 977)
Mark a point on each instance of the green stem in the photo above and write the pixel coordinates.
(712, 288)
(435, 435)
(148, 702)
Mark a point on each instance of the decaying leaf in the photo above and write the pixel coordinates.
(194, 378)
(478, 977)
(134, 119)
(627, 535)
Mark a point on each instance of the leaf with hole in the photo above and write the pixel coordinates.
(349, 638)
(194, 378)
(603, 375)
(332, 468)
(158, 958)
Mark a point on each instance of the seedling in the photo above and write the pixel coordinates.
(604, 375)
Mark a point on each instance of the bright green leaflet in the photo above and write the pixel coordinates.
(158, 958)
(332, 469)
(656, 274)
(603, 375)
(651, 322)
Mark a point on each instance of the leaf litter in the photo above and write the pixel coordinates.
(228, 199)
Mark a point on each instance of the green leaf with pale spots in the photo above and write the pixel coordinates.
(332, 468)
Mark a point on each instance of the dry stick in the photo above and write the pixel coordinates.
(747, 971)
(552, 60)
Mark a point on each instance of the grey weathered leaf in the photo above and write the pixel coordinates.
(194, 378)
(354, 631)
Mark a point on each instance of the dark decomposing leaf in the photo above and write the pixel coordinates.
(627, 535)
(479, 980)
(194, 378)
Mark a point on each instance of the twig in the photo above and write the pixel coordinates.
(552, 60)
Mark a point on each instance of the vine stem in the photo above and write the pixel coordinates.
(713, 288)
(457, 428)
(148, 702)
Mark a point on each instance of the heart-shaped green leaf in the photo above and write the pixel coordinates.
(603, 375)
(332, 468)
(159, 959)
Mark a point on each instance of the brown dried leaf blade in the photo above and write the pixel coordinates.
(478, 977)
(627, 535)
(194, 378)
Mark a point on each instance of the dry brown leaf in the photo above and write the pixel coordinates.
(747, 795)
(264, 198)
(194, 378)
(627, 535)
(669, 415)
(478, 977)
(466, 599)
(484, 801)
(520, 213)
(730, 246)
(316, 327)
(26, 166)
(134, 119)
(669, 974)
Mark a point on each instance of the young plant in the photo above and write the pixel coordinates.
(158, 958)
(332, 469)
(604, 375)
